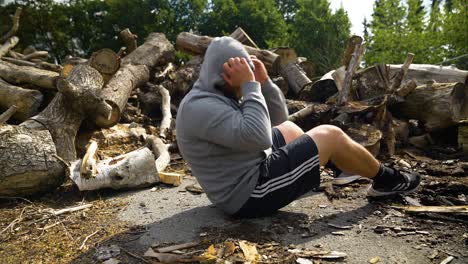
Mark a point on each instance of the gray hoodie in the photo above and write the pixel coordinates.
(224, 141)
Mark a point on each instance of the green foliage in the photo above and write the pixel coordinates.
(319, 34)
(434, 35)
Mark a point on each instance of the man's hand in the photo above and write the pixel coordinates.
(260, 72)
(236, 72)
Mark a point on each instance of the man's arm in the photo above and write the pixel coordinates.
(273, 95)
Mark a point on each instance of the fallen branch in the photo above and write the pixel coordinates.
(88, 166)
(177, 247)
(129, 39)
(160, 151)
(24, 74)
(70, 209)
(14, 27)
(7, 114)
(40, 65)
(243, 37)
(402, 73)
(462, 209)
(27, 101)
(353, 64)
(8, 45)
(36, 55)
(166, 111)
(86, 239)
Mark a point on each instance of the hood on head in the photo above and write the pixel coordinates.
(218, 52)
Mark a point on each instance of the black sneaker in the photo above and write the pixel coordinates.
(409, 182)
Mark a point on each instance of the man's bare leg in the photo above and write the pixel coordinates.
(333, 144)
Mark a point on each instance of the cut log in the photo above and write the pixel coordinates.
(320, 90)
(296, 77)
(422, 73)
(24, 74)
(14, 27)
(463, 136)
(402, 73)
(282, 84)
(406, 88)
(105, 61)
(63, 116)
(437, 105)
(155, 51)
(173, 179)
(28, 162)
(287, 55)
(353, 65)
(129, 39)
(243, 37)
(372, 82)
(166, 112)
(366, 135)
(27, 102)
(313, 115)
(130, 170)
(198, 44)
(5, 116)
(41, 55)
(8, 45)
(135, 71)
(161, 152)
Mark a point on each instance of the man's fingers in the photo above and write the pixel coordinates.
(227, 68)
(226, 78)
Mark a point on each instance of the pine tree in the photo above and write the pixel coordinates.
(385, 43)
(320, 35)
(456, 33)
(414, 28)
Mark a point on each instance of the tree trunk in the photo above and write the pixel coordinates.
(157, 50)
(198, 44)
(350, 70)
(24, 74)
(26, 101)
(243, 38)
(296, 77)
(437, 105)
(40, 65)
(422, 73)
(321, 90)
(372, 82)
(130, 170)
(28, 162)
(63, 116)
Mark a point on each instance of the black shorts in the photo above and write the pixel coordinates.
(289, 172)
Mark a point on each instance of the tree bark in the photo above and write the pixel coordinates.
(296, 77)
(422, 73)
(8, 45)
(353, 65)
(40, 65)
(130, 170)
(26, 101)
(437, 105)
(402, 73)
(14, 27)
(24, 74)
(198, 44)
(63, 116)
(372, 82)
(243, 37)
(135, 71)
(28, 162)
(320, 90)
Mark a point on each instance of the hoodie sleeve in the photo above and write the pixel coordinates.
(246, 129)
(276, 102)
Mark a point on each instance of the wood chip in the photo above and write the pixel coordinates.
(338, 233)
(303, 261)
(447, 260)
(176, 247)
(462, 209)
(250, 251)
(374, 260)
(167, 257)
(340, 227)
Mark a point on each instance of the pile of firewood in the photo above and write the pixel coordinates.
(382, 105)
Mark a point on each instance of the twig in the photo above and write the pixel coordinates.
(86, 239)
(70, 209)
(402, 73)
(15, 26)
(7, 114)
(14, 197)
(8, 45)
(134, 255)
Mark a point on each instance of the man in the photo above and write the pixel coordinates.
(246, 167)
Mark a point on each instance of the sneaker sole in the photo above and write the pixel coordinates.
(371, 192)
(346, 180)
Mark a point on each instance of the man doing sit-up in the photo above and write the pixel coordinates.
(232, 130)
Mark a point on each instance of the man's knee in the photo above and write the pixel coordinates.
(290, 131)
(328, 133)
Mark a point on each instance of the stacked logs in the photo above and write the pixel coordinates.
(112, 98)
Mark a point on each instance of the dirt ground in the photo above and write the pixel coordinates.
(330, 219)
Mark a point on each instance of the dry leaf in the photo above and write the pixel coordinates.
(250, 251)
